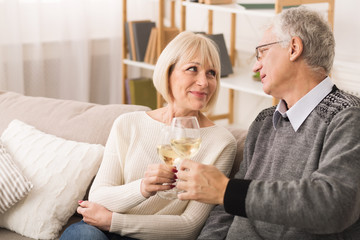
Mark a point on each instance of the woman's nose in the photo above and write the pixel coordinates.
(202, 80)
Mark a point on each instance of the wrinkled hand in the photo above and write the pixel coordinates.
(155, 176)
(203, 183)
(96, 215)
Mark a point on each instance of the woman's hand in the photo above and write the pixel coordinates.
(203, 183)
(155, 176)
(96, 215)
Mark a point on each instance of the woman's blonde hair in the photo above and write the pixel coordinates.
(183, 48)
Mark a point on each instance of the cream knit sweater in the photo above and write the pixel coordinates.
(130, 148)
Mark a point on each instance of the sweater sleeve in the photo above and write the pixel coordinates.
(328, 200)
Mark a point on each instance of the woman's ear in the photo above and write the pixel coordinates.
(296, 48)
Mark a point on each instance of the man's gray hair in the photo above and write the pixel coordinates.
(315, 33)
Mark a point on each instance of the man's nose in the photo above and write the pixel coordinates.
(257, 66)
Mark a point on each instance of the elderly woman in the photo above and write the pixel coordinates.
(123, 201)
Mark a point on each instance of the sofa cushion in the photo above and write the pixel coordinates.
(72, 120)
(13, 184)
(240, 136)
(60, 170)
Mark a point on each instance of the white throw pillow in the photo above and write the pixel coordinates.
(13, 185)
(60, 170)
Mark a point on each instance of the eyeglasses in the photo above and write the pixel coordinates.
(259, 52)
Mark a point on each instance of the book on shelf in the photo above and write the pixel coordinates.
(259, 5)
(127, 91)
(142, 32)
(142, 92)
(138, 33)
(149, 47)
(152, 47)
(128, 41)
(226, 66)
(151, 51)
(169, 34)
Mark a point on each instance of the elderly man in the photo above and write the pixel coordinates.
(300, 177)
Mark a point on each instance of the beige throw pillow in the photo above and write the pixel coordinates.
(60, 170)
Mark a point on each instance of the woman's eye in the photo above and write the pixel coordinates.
(212, 73)
(194, 69)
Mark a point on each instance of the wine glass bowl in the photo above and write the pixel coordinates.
(185, 136)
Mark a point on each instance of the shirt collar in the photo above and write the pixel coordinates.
(302, 108)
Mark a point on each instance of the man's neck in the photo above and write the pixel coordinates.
(303, 83)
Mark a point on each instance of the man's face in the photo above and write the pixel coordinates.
(273, 65)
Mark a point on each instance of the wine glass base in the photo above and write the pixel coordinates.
(168, 194)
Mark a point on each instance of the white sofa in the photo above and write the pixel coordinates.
(72, 120)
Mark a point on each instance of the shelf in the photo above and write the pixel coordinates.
(232, 8)
(242, 81)
(139, 64)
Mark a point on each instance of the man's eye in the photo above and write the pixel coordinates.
(261, 50)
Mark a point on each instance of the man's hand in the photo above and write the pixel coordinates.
(203, 183)
(96, 215)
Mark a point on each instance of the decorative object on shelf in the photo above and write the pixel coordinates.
(256, 76)
(226, 67)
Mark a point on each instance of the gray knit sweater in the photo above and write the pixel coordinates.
(296, 185)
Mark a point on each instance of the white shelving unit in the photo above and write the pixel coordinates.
(138, 64)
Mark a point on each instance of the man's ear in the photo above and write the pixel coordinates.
(296, 48)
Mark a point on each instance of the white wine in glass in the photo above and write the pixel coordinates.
(185, 136)
(170, 157)
(167, 154)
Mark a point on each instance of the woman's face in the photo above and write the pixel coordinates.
(192, 85)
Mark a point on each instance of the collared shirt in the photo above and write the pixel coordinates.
(302, 108)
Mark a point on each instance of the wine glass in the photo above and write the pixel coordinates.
(169, 156)
(185, 136)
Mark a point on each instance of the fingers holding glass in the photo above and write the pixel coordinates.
(158, 177)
